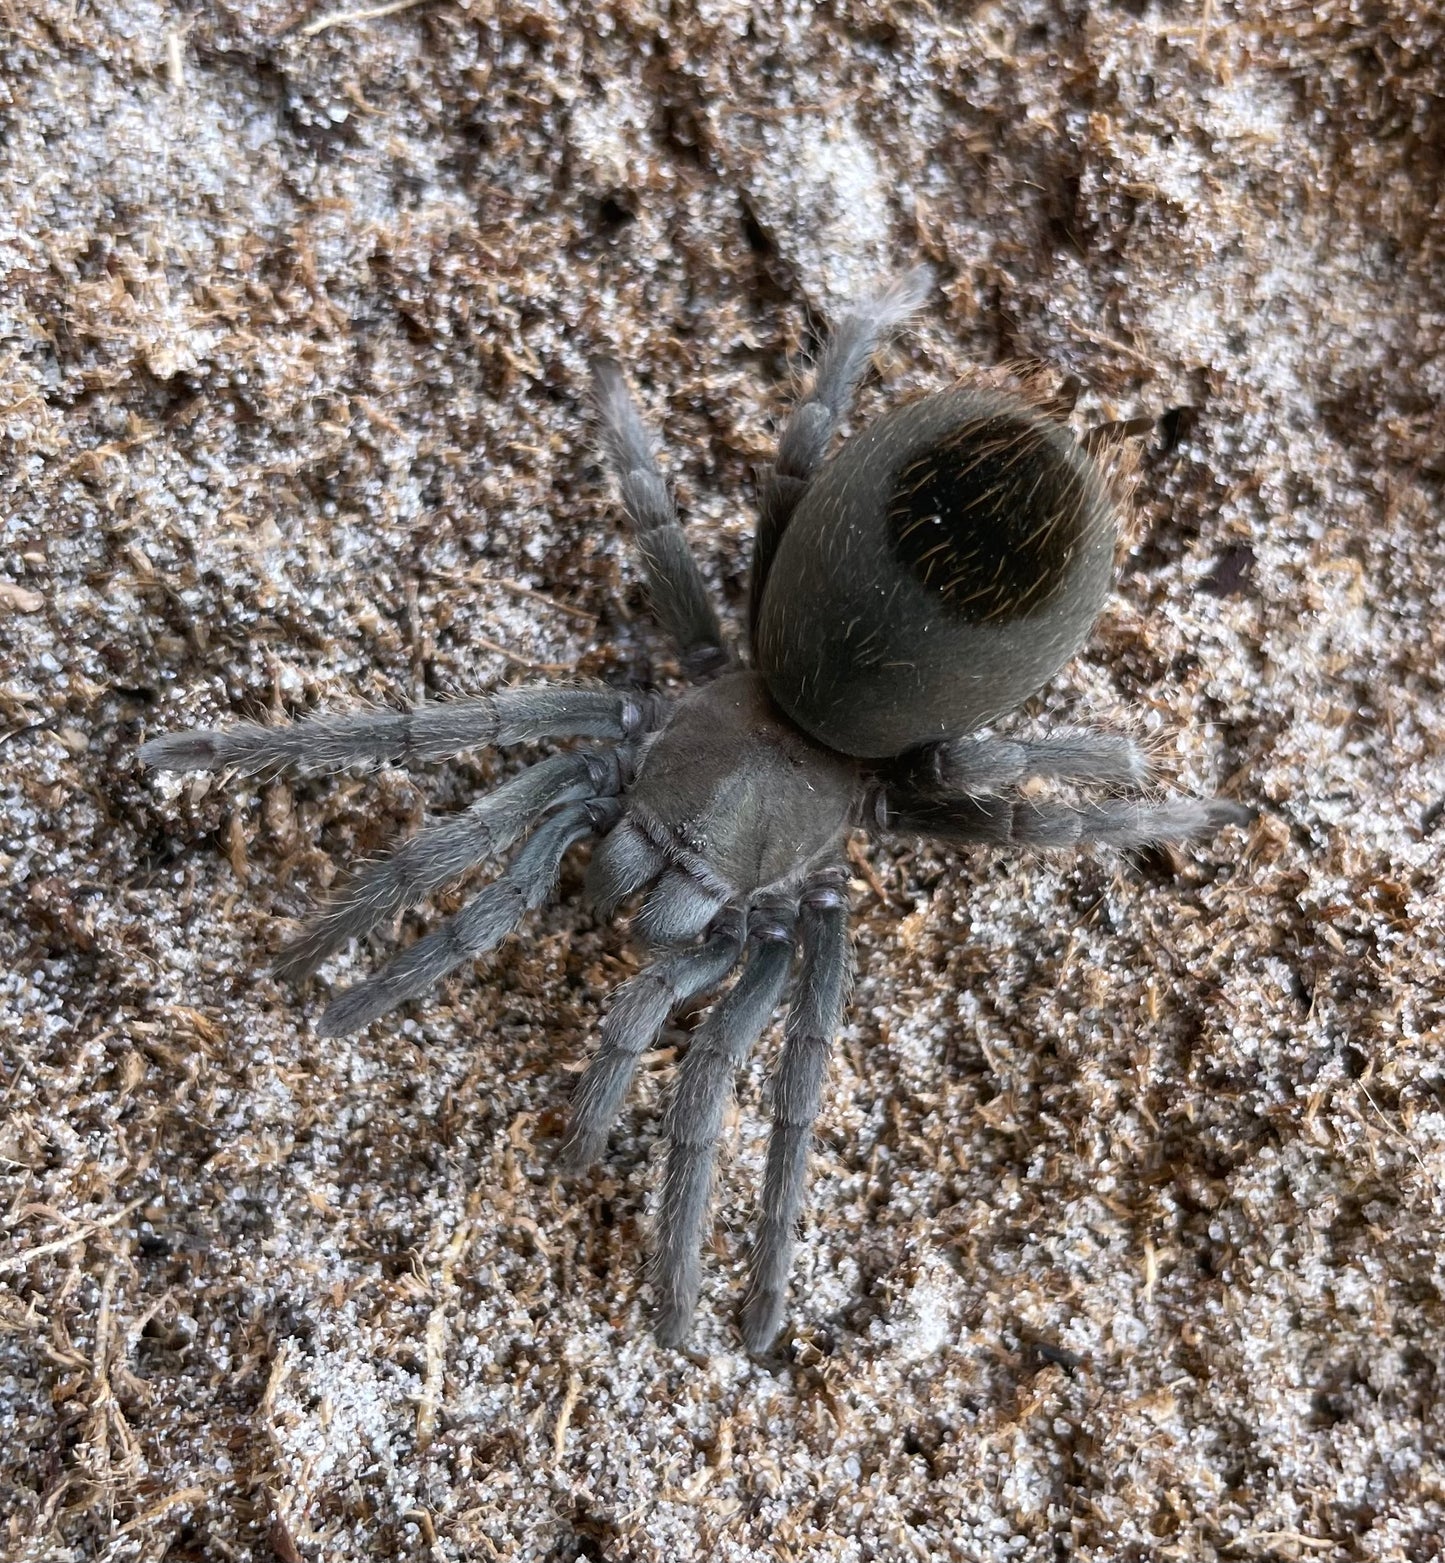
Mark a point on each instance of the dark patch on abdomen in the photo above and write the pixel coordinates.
(990, 519)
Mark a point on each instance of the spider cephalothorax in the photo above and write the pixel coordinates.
(920, 583)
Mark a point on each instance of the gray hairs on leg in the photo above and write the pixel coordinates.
(481, 925)
(424, 733)
(813, 1021)
(444, 851)
(635, 1017)
(695, 1119)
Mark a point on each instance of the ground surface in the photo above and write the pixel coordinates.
(1129, 1212)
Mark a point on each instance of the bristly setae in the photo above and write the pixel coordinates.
(906, 591)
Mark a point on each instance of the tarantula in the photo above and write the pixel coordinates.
(905, 593)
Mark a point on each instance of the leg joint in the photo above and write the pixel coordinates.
(771, 920)
(602, 813)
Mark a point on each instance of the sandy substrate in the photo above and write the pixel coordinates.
(1128, 1230)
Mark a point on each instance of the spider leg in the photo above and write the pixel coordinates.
(427, 732)
(810, 426)
(621, 865)
(813, 1020)
(674, 582)
(695, 1116)
(1021, 822)
(444, 851)
(481, 925)
(979, 765)
(636, 1015)
(678, 907)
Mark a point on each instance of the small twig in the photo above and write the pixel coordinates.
(367, 13)
(1111, 342)
(792, 110)
(417, 635)
(430, 1398)
(536, 596)
(521, 661)
(176, 57)
(1397, 1133)
(19, 1261)
(564, 1416)
(187, 1495)
(1314, 1543)
(858, 857)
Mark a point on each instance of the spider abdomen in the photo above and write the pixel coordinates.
(940, 568)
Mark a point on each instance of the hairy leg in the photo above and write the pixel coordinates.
(635, 1017)
(1020, 822)
(621, 865)
(424, 733)
(981, 765)
(679, 597)
(810, 426)
(444, 851)
(813, 1021)
(678, 907)
(481, 925)
(695, 1117)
